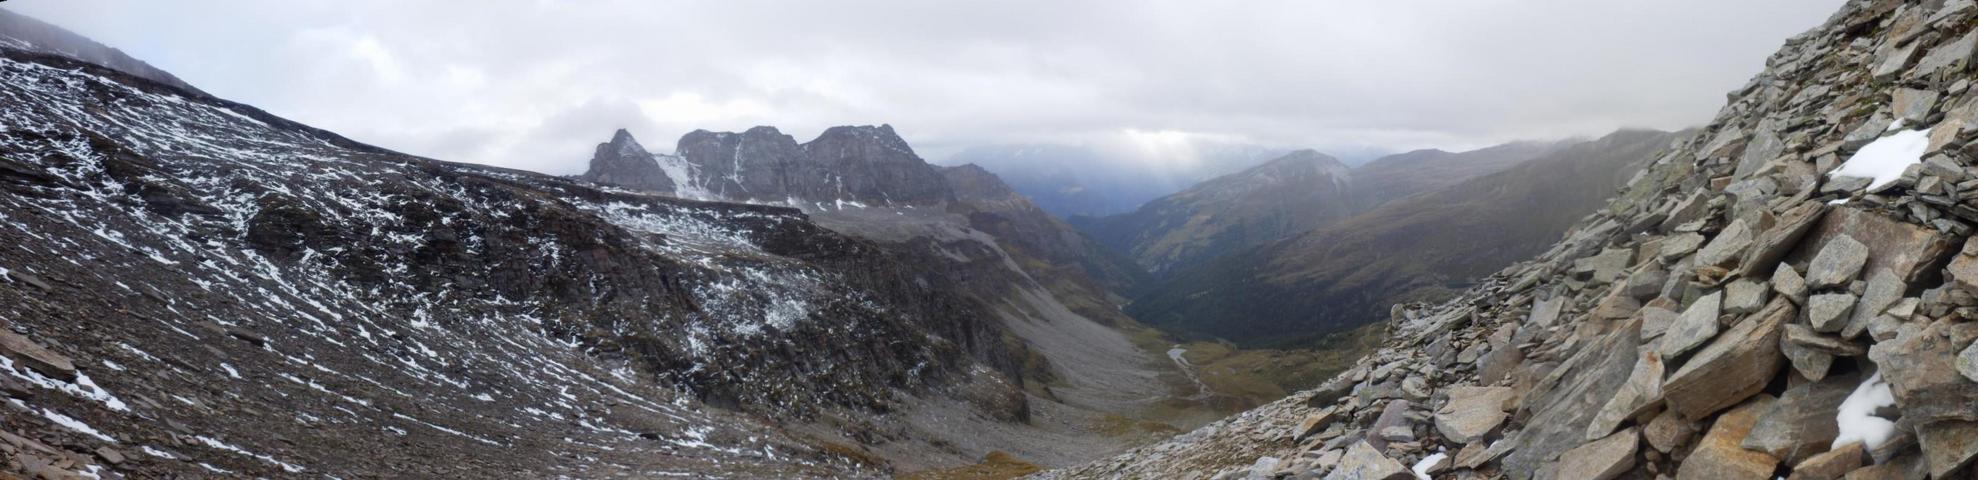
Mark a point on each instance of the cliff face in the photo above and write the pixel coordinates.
(623, 162)
(1789, 292)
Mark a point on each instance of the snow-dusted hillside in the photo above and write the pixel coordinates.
(194, 286)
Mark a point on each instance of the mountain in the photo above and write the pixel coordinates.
(202, 288)
(1734, 312)
(1052, 292)
(625, 163)
(1403, 174)
(1074, 180)
(1422, 247)
(1293, 193)
(242, 293)
(26, 33)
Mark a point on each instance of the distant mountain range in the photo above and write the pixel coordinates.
(1299, 191)
(1068, 180)
(1417, 247)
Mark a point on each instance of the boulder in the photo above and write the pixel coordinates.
(1315, 422)
(1733, 367)
(1967, 362)
(1646, 281)
(1728, 247)
(1964, 267)
(1949, 446)
(1472, 413)
(1830, 465)
(1680, 245)
(1566, 400)
(25, 352)
(1829, 312)
(1393, 416)
(1603, 459)
(1364, 462)
(1642, 391)
(1909, 250)
(1745, 296)
(1719, 457)
(1812, 353)
(1801, 423)
(1668, 430)
(1787, 282)
(1697, 325)
(1884, 289)
(1837, 263)
(1774, 243)
(1920, 365)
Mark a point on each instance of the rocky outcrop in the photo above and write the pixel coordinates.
(1845, 364)
(858, 165)
(623, 162)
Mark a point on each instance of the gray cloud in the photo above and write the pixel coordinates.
(533, 83)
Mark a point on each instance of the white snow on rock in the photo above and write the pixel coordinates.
(1857, 414)
(1884, 159)
(1421, 468)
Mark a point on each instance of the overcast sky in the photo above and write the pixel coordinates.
(535, 83)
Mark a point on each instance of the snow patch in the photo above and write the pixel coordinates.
(1421, 468)
(1857, 415)
(1884, 159)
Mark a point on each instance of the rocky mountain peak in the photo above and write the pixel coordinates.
(623, 162)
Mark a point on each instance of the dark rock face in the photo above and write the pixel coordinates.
(334, 308)
(623, 162)
(865, 165)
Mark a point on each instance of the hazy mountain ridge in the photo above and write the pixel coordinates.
(1293, 193)
(1073, 180)
(1416, 248)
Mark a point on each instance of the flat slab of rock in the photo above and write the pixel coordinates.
(1696, 325)
(1733, 367)
(1830, 465)
(1839, 260)
(1719, 457)
(1643, 390)
(36, 357)
(1801, 423)
(1364, 462)
(1773, 245)
(1603, 459)
(1903, 248)
(1472, 413)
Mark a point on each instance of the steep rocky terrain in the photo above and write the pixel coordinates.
(199, 286)
(1786, 294)
(1426, 246)
(1294, 193)
(1052, 291)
